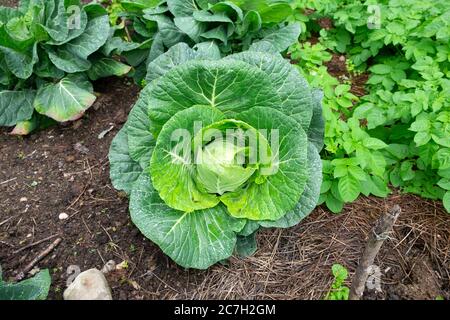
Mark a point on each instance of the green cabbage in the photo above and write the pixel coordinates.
(215, 149)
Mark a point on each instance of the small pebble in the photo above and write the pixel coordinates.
(23, 199)
(63, 216)
(80, 148)
(109, 266)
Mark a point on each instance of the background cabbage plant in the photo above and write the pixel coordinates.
(149, 28)
(199, 214)
(49, 50)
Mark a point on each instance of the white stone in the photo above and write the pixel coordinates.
(89, 285)
(109, 266)
(23, 199)
(63, 216)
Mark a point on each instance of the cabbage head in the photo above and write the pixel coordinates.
(216, 148)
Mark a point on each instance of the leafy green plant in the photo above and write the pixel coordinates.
(202, 190)
(35, 288)
(352, 161)
(149, 28)
(398, 132)
(48, 52)
(338, 289)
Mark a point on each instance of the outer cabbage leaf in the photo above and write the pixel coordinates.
(246, 246)
(291, 87)
(179, 54)
(316, 130)
(66, 100)
(124, 170)
(278, 40)
(309, 198)
(35, 288)
(140, 139)
(15, 106)
(20, 62)
(106, 67)
(231, 86)
(193, 240)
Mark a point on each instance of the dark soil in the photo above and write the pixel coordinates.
(65, 169)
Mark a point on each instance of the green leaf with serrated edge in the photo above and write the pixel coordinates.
(140, 139)
(124, 171)
(35, 288)
(193, 240)
(309, 198)
(172, 166)
(15, 106)
(106, 67)
(246, 246)
(65, 100)
(280, 192)
(296, 98)
(230, 86)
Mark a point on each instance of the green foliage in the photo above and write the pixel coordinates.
(35, 288)
(190, 194)
(338, 289)
(48, 52)
(149, 28)
(399, 132)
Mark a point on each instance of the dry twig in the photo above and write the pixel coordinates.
(376, 239)
(38, 258)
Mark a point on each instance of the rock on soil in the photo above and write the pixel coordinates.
(89, 285)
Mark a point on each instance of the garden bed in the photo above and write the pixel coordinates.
(65, 170)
